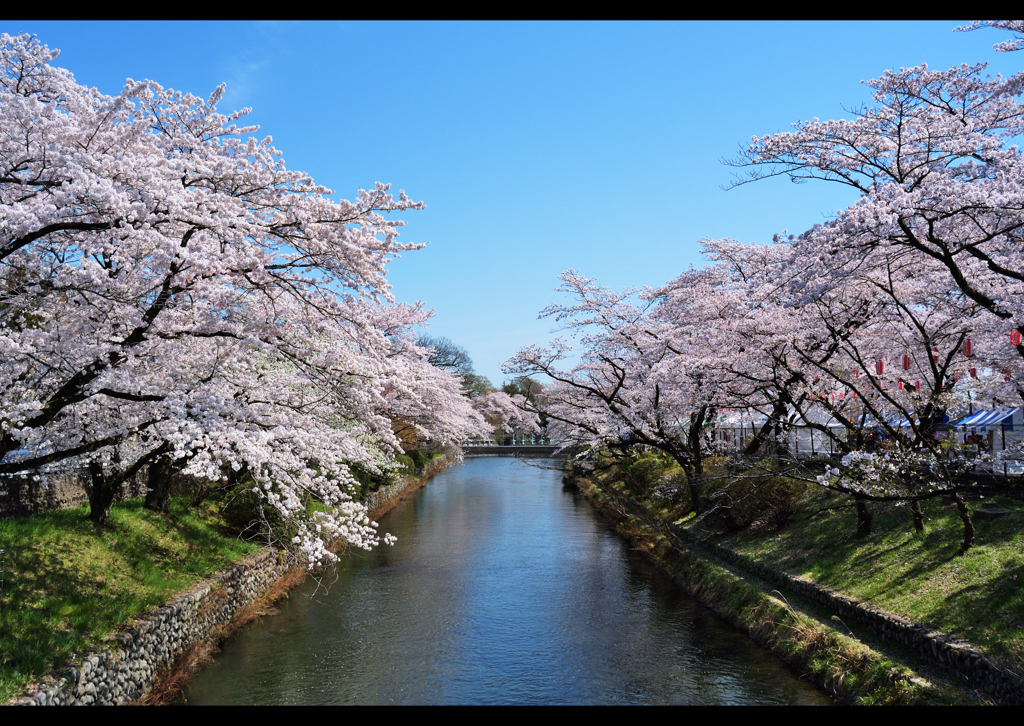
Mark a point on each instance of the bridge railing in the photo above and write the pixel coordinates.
(515, 441)
(510, 450)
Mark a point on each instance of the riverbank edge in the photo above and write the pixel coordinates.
(843, 667)
(161, 650)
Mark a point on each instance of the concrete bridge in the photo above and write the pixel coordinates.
(535, 450)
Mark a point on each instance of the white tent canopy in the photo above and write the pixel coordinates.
(736, 425)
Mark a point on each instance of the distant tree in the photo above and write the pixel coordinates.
(507, 414)
(524, 386)
(531, 393)
(447, 355)
(474, 386)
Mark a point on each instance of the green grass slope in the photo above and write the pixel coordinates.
(68, 584)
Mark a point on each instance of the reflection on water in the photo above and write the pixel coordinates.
(503, 588)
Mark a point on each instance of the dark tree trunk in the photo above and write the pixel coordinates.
(965, 516)
(863, 518)
(915, 509)
(695, 456)
(102, 490)
(692, 485)
(200, 493)
(686, 463)
(692, 477)
(770, 424)
(158, 496)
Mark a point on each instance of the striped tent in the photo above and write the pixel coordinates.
(1003, 430)
(982, 420)
(901, 422)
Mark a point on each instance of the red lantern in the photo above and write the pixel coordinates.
(879, 367)
(917, 385)
(973, 372)
(935, 354)
(906, 362)
(901, 385)
(956, 376)
(841, 394)
(1007, 374)
(967, 348)
(1014, 338)
(856, 374)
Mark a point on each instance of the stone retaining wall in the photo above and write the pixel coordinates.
(28, 494)
(952, 654)
(381, 500)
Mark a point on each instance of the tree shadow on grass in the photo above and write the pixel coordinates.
(843, 561)
(918, 569)
(921, 576)
(989, 614)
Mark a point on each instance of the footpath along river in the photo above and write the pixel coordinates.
(503, 587)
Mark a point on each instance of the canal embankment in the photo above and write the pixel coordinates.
(79, 623)
(852, 648)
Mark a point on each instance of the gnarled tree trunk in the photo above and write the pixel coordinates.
(965, 516)
(915, 509)
(863, 517)
(158, 495)
(101, 491)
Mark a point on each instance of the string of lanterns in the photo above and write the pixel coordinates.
(967, 348)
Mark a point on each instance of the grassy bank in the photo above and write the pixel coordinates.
(978, 596)
(68, 584)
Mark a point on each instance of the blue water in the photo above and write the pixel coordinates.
(503, 588)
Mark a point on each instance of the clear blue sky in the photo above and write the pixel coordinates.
(536, 146)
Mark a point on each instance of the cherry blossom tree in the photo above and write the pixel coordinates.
(928, 258)
(938, 172)
(902, 359)
(868, 344)
(1014, 26)
(171, 292)
(643, 380)
(508, 414)
(903, 310)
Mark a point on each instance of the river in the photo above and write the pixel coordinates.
(503, 587)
